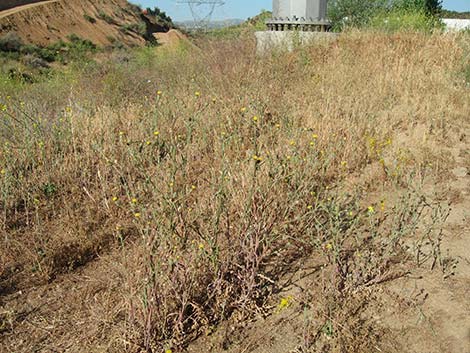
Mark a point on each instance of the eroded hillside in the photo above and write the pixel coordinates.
(104, 22)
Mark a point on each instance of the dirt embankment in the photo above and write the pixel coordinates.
(102, 21)
(8, 4)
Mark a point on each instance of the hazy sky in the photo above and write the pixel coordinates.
(247, 8)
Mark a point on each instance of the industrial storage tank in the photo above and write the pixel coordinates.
(305, 15)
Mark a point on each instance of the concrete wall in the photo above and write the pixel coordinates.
(8, 4)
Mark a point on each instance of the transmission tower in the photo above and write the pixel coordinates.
(202, 10)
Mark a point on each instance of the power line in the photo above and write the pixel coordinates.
(201, 10)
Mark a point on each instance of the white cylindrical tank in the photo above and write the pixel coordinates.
(309, 10)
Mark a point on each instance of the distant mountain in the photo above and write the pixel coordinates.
(212, 24)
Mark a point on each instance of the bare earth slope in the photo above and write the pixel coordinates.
(101, 21)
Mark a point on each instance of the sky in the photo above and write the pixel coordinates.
(242, 9)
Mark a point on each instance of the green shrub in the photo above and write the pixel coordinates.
(353, 13)
(404, 20)
(359, 13)
(89, 18)
(10, 42)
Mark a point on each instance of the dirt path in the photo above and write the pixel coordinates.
(24, 7)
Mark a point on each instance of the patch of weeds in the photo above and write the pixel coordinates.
(89, 18)
(105, 17)
(49, 189)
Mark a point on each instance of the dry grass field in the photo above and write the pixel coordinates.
(203, 199)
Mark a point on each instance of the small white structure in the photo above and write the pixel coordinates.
(456, 24)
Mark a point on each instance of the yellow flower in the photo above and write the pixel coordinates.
(214, 100)
(193, 187)
(68, 109)
(382, 205)
(156, 133)
(171, 185)
(137, 215)
(370, 209)
(243, 109)
(121, 133)
(159, 93)
(257, 158)
(350, 213)
(309, 207)
(344, 163)
(197, 93)
(312, 143)
(3, 172)
(284, 303)
(329, 246)
(292, 143)
(148, 143)
(3, 107)
(201, 246)
(315, 136)
(255, 119)
(114, 198)
(168, 351)
(278, 126)
(134, 200)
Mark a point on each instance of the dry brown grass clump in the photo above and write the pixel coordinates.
(209, 172)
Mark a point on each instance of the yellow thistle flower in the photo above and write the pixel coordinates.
(284, 303)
